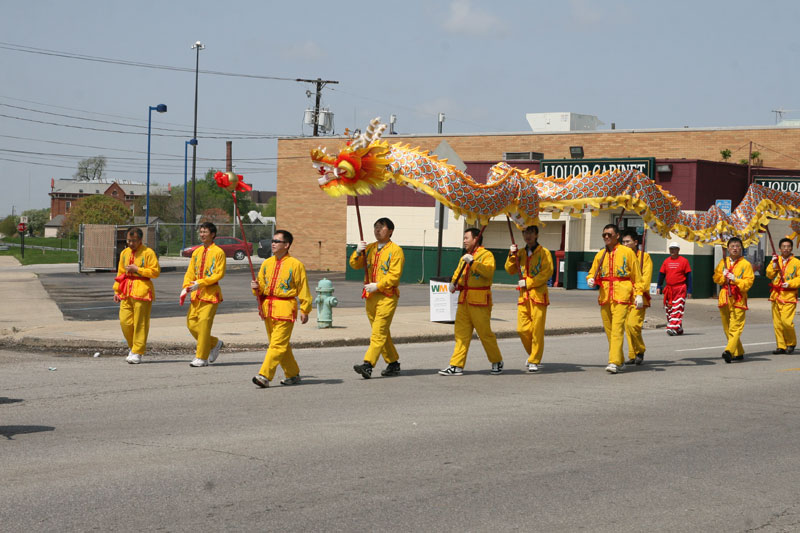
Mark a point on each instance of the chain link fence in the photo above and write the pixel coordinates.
(172, 238)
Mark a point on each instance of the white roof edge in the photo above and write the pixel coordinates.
(533, 133)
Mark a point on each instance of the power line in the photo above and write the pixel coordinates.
(56, 53)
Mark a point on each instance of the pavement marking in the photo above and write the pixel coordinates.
(788, 369)
(718, 347)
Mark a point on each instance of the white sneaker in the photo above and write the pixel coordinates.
(197, 362)
(533, 367)
(452, 371)
(497, 368)
(214, 353)
(612, 368)
(134, 358)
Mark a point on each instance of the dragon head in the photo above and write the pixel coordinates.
(358, 168)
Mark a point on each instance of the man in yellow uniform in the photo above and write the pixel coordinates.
(134, 292)
(617, 273)
(384, 260)
(206, 269)
(473, 277)
(537, 268)
(784, 271)
(735, 276)
(635, 321)
(281, 282)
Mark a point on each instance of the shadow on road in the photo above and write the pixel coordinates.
(9, 431)
(4, 400)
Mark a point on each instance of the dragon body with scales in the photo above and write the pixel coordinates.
(368, 162)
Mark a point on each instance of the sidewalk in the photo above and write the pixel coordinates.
(31, 320)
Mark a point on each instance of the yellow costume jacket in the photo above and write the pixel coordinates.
(385, 266)
(734, 293)
(618, 277)
(789, 272)
(537, 269)
(475, 282)
(137, 285)
(206, 267)
(646, 267)
(281, 282)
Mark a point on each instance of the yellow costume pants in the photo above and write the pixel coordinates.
(469, 318)
(733, 324)
(279, 351)
(380, 311)
(633, 330)
(199, 321)
(134, 318)
(530, 327)
(614, 316)
(783, 321)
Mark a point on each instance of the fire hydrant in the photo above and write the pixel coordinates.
(325, 301)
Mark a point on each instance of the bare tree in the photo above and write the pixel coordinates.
(90, 168)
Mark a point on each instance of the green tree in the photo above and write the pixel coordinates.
(90, 168)
(96, 209)
(167, 208)
(270, 208)
(726, 154)
(8, 226)
(37, 218)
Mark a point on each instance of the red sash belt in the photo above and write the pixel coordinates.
(125, 282)
(280, 297)
(778, 288)
(612, 278)
(462, 287)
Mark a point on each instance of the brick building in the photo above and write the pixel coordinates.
(64, 194)
(325, 228)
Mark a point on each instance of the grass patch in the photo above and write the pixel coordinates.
(40, 257)
(53, 242)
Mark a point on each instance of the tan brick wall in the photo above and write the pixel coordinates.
(318, 222)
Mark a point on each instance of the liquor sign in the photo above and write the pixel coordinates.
(562, 168)
(779, 183)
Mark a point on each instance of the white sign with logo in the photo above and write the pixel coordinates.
(444, 303)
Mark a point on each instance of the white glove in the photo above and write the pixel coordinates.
(513, 249)
(451, 287)
(730, 276)
(725, 272)
(775, 259)
(639, 301)
(590, 282)
(467, 258)
(522, 284)
(194, 286)
(361, 246)
(371, 287)
(785, 285)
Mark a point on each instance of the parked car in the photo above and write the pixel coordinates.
(232, 246)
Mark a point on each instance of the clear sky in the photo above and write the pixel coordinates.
(639, 64)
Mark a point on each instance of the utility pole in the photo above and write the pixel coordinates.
(320, 83)
(198, 46)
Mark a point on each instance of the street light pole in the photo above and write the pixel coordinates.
(198, 46)
(161, 108)
(193, 142)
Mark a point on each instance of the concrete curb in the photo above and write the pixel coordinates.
(87, 347)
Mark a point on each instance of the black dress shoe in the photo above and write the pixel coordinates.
(736, 358)
(778, 351)
(727, 356)
(789, 349)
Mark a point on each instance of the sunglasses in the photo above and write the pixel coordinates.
(609, 235)
(276, 241)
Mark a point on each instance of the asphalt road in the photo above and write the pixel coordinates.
(683, 443)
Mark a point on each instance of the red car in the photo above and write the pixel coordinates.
(232, 246)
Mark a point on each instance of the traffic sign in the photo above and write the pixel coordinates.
(23, 219)
(21, 227)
